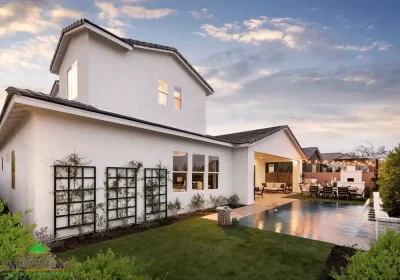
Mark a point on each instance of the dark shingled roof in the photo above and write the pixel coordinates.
(131, 42)
(70, 103)
(252, 136)
(332, 156)
(246, 137)
(309, 151)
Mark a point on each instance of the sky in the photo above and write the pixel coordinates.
(328, 69)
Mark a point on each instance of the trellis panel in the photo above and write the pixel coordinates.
(155, 194)
(121, 196)
(74, 199)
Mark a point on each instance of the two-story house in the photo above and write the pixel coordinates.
(119, 100)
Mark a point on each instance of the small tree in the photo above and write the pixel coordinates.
(389, 181)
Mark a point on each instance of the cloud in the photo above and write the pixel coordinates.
(202, 14)
(61, 13)
(28, 54)
(312, 9)
(377, 45)
(108, 10)
(199, 33)
(23, 17)
(143, 13)
(285, 30)
(116, 23)
(117, 31)
(323, 118)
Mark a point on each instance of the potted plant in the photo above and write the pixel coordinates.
(235, 221)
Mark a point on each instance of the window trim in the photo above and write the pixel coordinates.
(180, 172)
(161, 92)
(199, 172)
(212, 172)
(180, 98)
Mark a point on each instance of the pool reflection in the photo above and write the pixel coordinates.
(327, 221)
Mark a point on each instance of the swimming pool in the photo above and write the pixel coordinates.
(338, 223)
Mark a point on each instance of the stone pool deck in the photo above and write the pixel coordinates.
(260, 204)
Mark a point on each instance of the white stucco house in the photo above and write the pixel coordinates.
(117, 100)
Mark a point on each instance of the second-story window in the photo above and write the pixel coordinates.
(72, 81)
(178, 98)
(162, 92)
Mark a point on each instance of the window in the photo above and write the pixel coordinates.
(13, 169)
(271, 168)
(314, 168)
(178, 98)
(213, 169)
(179, 174)
(72, 81)
(198, 168)
(162, 92)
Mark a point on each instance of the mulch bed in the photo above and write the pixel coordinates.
(93, 238)
(337, 260)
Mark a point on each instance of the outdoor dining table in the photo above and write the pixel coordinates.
(335, 189)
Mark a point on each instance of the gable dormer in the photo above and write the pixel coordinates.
(134, 78)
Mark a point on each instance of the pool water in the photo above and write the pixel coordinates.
(338, 223)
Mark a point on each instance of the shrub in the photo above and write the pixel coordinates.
(175, 206)
(107, 266)
(217, 201)
(234, 200)
(197, 202)
(382, 261)
(389, 182)
(16, 238)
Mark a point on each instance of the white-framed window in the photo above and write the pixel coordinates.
(271, 168)
(213, 172)
(198, 169)
(162, 92)
(72, 81)
(178, 98)
(179, 173)
(314, 168)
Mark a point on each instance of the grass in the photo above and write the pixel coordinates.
(307, 197)
(200, 249)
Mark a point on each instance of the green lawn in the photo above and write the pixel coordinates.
(199, 249)
(307, 197)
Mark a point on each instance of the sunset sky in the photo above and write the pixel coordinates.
(328, 69)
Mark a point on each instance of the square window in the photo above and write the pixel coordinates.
(198, 181)
(198, 162)
(213, 181)
(180, 161)
(213, 164)
(179, 182)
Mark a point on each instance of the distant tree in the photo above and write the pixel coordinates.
(369, 151)
(389, 181)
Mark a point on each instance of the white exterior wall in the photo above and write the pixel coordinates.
(22, 142)
(243, 171)
(114, 79)
(111, 145)
(76, 51)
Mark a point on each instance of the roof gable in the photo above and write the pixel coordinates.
(309, 151)
(82, 23)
